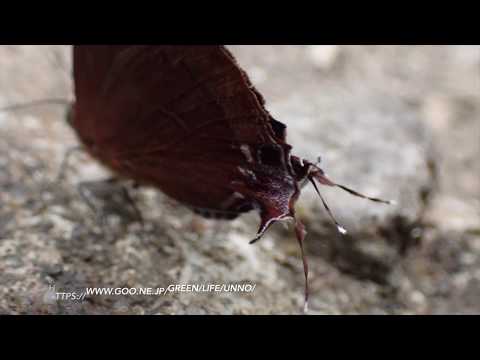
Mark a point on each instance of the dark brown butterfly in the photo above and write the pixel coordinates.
(187, 120)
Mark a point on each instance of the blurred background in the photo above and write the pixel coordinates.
(400, 122)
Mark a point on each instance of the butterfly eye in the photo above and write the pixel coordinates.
(270, 155)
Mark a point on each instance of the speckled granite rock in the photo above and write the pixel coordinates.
(397, 122)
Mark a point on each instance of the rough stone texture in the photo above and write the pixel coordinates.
(401, 122)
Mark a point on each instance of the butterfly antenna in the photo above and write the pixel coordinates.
(324, 180)
(356, 193)
(340, 228)
(60, 102)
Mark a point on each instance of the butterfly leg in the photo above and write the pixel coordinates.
(84, 189)
(130, 200)
(64, 164)
(104, 189)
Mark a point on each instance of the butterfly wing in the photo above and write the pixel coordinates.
(187, 120)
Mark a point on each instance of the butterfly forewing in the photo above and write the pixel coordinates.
(185, 119)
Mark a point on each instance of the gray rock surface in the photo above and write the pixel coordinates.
(400, 122)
